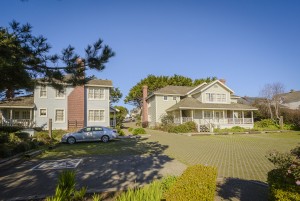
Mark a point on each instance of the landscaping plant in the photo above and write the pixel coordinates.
(138, 131)
(284, 180)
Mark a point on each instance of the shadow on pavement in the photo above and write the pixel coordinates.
(243, 190)
(98, 173)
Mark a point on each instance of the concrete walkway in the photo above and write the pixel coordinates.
(98, 173)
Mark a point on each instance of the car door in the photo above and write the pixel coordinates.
(87, 134)
(98, 132)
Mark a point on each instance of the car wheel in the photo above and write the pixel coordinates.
(71, 140)
(105, 138)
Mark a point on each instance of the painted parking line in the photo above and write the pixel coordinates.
(58, 164)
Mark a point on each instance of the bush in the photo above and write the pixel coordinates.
(198, 182)
(167, 119)
(138, 131)
(4, 151)
(22, 135)
(121, 133)
(284, 181)
(233, 129)
(21, 147)
(130, 129)
(266, 124)
(187, 127)
(4, 137)
(154, 191)
(10, 129)
(280, 189)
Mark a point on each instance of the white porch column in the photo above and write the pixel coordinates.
(252, 116)
(180, 116)
(203, 121)
(243, 117)
(223, 116)
(10, 117)
(192, 115)
(233, 117)
(213, 115)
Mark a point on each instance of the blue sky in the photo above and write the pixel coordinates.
(248, 43)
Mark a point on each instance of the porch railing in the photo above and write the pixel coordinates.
(26, 123)
(215, 121)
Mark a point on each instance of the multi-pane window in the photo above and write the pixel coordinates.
(16, 115)
(96, 93)
(165, 98)
(43, 112)
(26, 114)
(174, 97)
(60, 93)
(96, 115)
(207, 115)
(214, 97)
(43, 91)
(59, 115)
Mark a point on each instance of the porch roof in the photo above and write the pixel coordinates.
(18, 102)
(192, 103)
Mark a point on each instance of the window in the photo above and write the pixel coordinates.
(43, 112)
(16, 115)
(214, 97)
(96, 115)
(98, 129)
(174, 97)
(43, 91)
(60, 93)
(59, 115)
(26, 114)
(207, 115)
(96, 94)
(165, 98)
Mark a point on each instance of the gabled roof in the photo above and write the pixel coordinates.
(97, 82)
(174, 90)
(192, 103)
(214, 82)
(290, 97)
(18, 102)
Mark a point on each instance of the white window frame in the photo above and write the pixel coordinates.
(41, 87)
(165, 97)
(64, 115)
(174, 98)
(93, 117)
(213, 98)
(58, 92)
(91, 93)
(40, 112)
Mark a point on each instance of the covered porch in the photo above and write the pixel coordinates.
(17, 112)
(216, 118)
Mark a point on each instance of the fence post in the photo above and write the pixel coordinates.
(50, 128)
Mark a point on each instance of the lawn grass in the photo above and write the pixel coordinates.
(125, 146)
(238, 156)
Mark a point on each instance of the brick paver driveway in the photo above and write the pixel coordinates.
(237, 156)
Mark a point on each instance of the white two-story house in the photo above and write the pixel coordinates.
(208, 105)
(71, 107)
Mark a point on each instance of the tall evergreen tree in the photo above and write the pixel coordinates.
(24, 58)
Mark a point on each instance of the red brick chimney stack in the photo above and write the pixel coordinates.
(145, 107)
(223, 81)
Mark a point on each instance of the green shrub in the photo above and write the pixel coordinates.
(65, 189)
(10, 129)
(280, 188)
(23, 135)
(138, 131)
(121, 133)
(167, 119)
(43, 137)
(196, 183)
(152, 192)
(21, 147)
(130, 129)
(5, 151)
(187, 127)
(97, 197)
(4, 137)
(266, 124)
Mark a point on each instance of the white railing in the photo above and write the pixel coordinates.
(27, 123)
(215, 121)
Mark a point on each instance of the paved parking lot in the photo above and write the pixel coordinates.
(37, 178)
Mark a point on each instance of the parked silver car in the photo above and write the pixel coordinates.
(92, 133)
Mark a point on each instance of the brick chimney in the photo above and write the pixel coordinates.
(223, 81)
(145, 107)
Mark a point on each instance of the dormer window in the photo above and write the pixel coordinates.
(215, 98)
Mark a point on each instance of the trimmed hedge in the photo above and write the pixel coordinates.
(280, 189)
(187, 127)
(198, 182)
(137, 131)
(10, 129)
